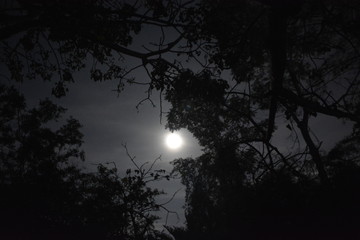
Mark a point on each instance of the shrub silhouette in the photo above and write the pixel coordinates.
(45, 195)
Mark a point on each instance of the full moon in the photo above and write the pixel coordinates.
(173, 141)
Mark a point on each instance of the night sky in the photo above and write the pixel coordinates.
(111, 120)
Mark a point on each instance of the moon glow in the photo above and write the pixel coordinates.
(173, 141)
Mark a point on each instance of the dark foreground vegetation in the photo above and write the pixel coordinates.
(45, 194)
(238, 74)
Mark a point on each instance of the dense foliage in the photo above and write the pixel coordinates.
(290, 63)
(239, 75)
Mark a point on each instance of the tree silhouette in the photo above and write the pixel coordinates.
(50, 40)
(287, 61)
(317, 77)
(261, 65)
(45, 193)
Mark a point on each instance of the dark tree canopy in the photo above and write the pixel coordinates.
(237, 74)
(289, 63)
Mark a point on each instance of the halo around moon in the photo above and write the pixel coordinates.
(173, 141)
